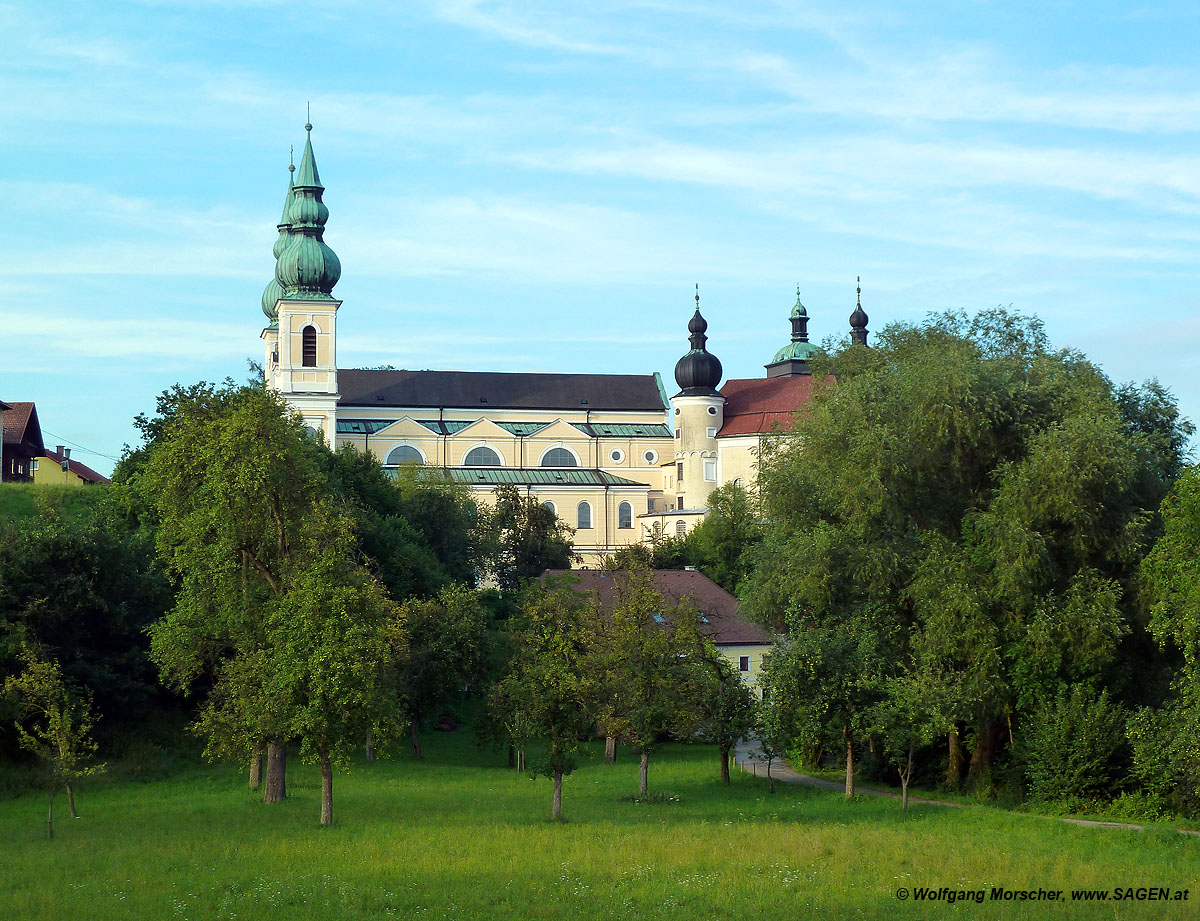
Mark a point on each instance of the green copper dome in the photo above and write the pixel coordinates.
(274, 290)
(799, 349)
(307, 269)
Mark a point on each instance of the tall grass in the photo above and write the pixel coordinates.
(460, 836)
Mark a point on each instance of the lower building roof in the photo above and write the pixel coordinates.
(524, 476)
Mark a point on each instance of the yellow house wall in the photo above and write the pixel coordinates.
(50, 473)
(756, 652)
(738, 460)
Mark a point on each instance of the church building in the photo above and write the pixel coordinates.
(618, 460)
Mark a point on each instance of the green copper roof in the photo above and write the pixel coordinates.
(798, 310)
(801, 351)
(525, 476)
(307, 268)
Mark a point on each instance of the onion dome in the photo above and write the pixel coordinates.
(307, 269)
(274, 290)
(799, 349)
(858, 320)
(698, 372)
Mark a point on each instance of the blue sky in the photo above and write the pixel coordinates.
(538, 186)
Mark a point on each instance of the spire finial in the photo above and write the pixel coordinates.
(697, 295)
(291, 158)
(858, 319)
(308, 116)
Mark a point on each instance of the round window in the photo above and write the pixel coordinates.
(617, 456)
(712, 410)
(650, 457)
(677, 410)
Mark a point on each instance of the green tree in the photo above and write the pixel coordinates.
(726, 705)
(56, 726)
(447, 651)
(986, 500)
(647, 674)
(726, 541)
(548, 693)
(249, 525)
(524, 539)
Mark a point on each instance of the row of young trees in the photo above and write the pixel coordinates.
(638, 669)
(952, 544)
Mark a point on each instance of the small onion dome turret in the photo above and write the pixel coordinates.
(307, 268)
(699, 371)
(858, 320)
(799, 349)
(274, 290)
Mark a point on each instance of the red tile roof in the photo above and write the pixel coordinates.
(725, 627)
(16, 421)
(83, 471)
(762, 405)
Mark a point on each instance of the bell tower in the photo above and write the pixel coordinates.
(698, 415)
(301, 339)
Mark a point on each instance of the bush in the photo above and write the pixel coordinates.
(1166, 757)
(1075, 747)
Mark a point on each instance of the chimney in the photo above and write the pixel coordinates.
(58, 449)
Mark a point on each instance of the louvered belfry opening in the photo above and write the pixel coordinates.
(309, 347)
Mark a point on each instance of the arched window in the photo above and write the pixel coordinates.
(624, 515)
(559, 457)
(680, 529)
(657, 529)
(550, 505)
(308, 348)
(405, 454)
(583, 515)
(482, 456)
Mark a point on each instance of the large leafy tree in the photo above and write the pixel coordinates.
(982, 501)
(273, 604)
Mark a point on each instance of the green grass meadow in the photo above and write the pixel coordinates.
(459, 836)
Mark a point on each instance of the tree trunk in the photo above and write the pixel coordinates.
(954, 761)
(370, 747)
(71, 801)
(849, 762)
(905, 777)
(610, 750)
(644, 774)
(256, 760)
(521, 760)
(724, 764)
(50, 816)
(512, 756)
(275, 787)
(986, 743)
(326, 789)
(414, 729)
(556, 810)
(770, 779)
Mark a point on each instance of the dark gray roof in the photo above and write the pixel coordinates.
(501, 390)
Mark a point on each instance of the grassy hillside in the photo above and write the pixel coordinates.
(458, 836)
(19, 501)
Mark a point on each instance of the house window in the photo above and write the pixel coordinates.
(624, 516)
(677, 434)
(33, 464)
(743, 663)
(710, 470)
(583, 515)
(650, 457)
(679, 502)
(711, 431)
(405, 454)
(559, 457)
(679, 473)
(680, 528)
(552, 507)
(712, 410)
(308, 347)
(617, 456)
(482, 456)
